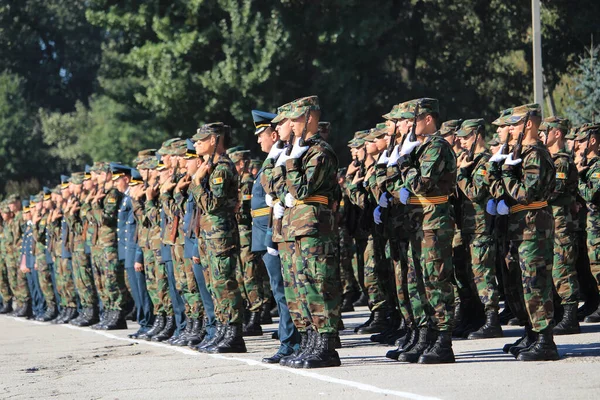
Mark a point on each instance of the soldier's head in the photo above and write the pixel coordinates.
(265, 129)
(26, 210)
(192, 161)
(14, 203)
(553, 130)
(503, 127)
(240, 158)
(427, 120)
(205, 139)
(581, 140)
(283, 125)
(304, 113)
(47, 198)
(39, 203)
(120, 176)
(518, 119)
(324, 129)
(88, 183)
(449, 129)
(65, 183)
(467, 133)
(76, 183)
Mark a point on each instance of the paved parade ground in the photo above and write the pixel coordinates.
(49, 361)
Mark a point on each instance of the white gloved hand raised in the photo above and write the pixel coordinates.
(394, 157)
(269, 200)
(298, 150)
(383, 158)
(510, 161)
(498, 156)
(275, 152)
(408, 147)
(278, 211)
(282, 159)
(290, 201)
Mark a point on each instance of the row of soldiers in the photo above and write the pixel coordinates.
(426, 226)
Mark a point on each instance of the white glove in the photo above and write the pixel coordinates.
(298, 150)
(275, 152)
(510, 161)
(269, 200)
(383, 158)
(290, 201)
(272, 251)
(282, 159)
(404, 195)
(383, 200)
(278, 211)
(408, 147)
(499, 156)
(394, 157)
(490, 207)
(502, 208)
(377, 215)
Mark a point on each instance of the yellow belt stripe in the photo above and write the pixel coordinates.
(260, 212)
(536, 205)
(424, 201)
(314, 199)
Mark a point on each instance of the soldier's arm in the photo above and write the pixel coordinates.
(589, 186)
(523, 189)
(304, 180)
(110, 209)
(475, 184)
(562, 175)
(151, 213)
(423, 179)
(214, 197)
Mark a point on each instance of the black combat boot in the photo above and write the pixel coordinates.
(396, 330)
(50, 314)
(183, 337)
(103, 319)
(411, 340)
(70, 315)
(197, 333)
(90, 317)
(362, 301)
(491, 328)
(528, 338)
(378, 324)
(167, 332)
(208, 342)
(506, 315)
(304, 339)
(587, 308)
(75, 321)
(24, 311)
(593, 317)
(60, 316)
(323, 355)
(6, 308)
(543, 349)
(441, 351)
(265, 315)
(116, 322)
(309, 348)
(274, 312)
(569, 324)
(427, 338)
(159, 325)
(232, 341)
(348, 299)
(253, 328)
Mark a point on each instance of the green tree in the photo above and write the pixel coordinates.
(586, 94)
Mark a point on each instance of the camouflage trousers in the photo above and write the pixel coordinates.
(291, 285)
(150, 275)
(17, 279)
(186, 283)
(250, 275)
(399, 258)
(593, 249)
(84, 279)
(482, 259)
(564, 270)
(466, 290)
(113, 277)
(535, 260)
(317, 263)
(45, 277)
(349, 282)
(5, 290)
(376, 271)
(222, 257)
(98, 273)
(65, 284)
(433, 249)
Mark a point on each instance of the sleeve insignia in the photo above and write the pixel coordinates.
(561, 175)
(217, 181)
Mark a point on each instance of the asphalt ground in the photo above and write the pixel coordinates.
(39, 360)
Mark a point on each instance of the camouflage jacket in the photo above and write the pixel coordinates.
(244, 217)
(531, 181)
(151, 220)
(77, 234)
(475, 188)
(217, 200)
(313, 174)
(589, 188)
(173, 204)
(274, 183)
(563, 198)
(107, 210)
(430, 172)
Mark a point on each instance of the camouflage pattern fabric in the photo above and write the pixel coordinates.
(82, 267)
(589, 189)
(44, 269)
(5, 289)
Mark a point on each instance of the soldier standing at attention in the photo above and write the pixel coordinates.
(529, 178)
(216, 192)
(564, 272)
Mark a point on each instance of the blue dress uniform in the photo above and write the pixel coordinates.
(49, 259)
(288, 335)
(27, 246)
(190, 250)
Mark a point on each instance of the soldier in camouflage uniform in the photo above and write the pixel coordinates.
(529, 181)
(18, 281)
(564, 271)
(588, 164)
(477, 224)
(216, 193)
(5, 289)
(311, 168)
(428, 167)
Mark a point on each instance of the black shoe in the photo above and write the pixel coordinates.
(441, 351)
(197, 333)
(6, 308)
(362, 301)
(232, 341)
(167, 332)
(522, 343)
(275, 358)
(208, 342)
(275, 335)
(491, 328)
(157, 327)
(51, 313)
(411, 340)
(543, 349)
(274, 312)
(505, 316)
(516, 322)
(348, 299)
(103, 319)
(90, 317)
(182, 339)
(70, 315)
(569, 324)
(587, 308)
(378, 324)
(390, 335)
(24, 311)
(253, 328)
(115, 321)
(307, 342)
(265, 315)
(323, 355)
(427, 338)
(593, 317)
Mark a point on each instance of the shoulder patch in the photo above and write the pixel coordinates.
(111, 200)
(596, 175)
(217, 181)
(482, 172)
(561, 175)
